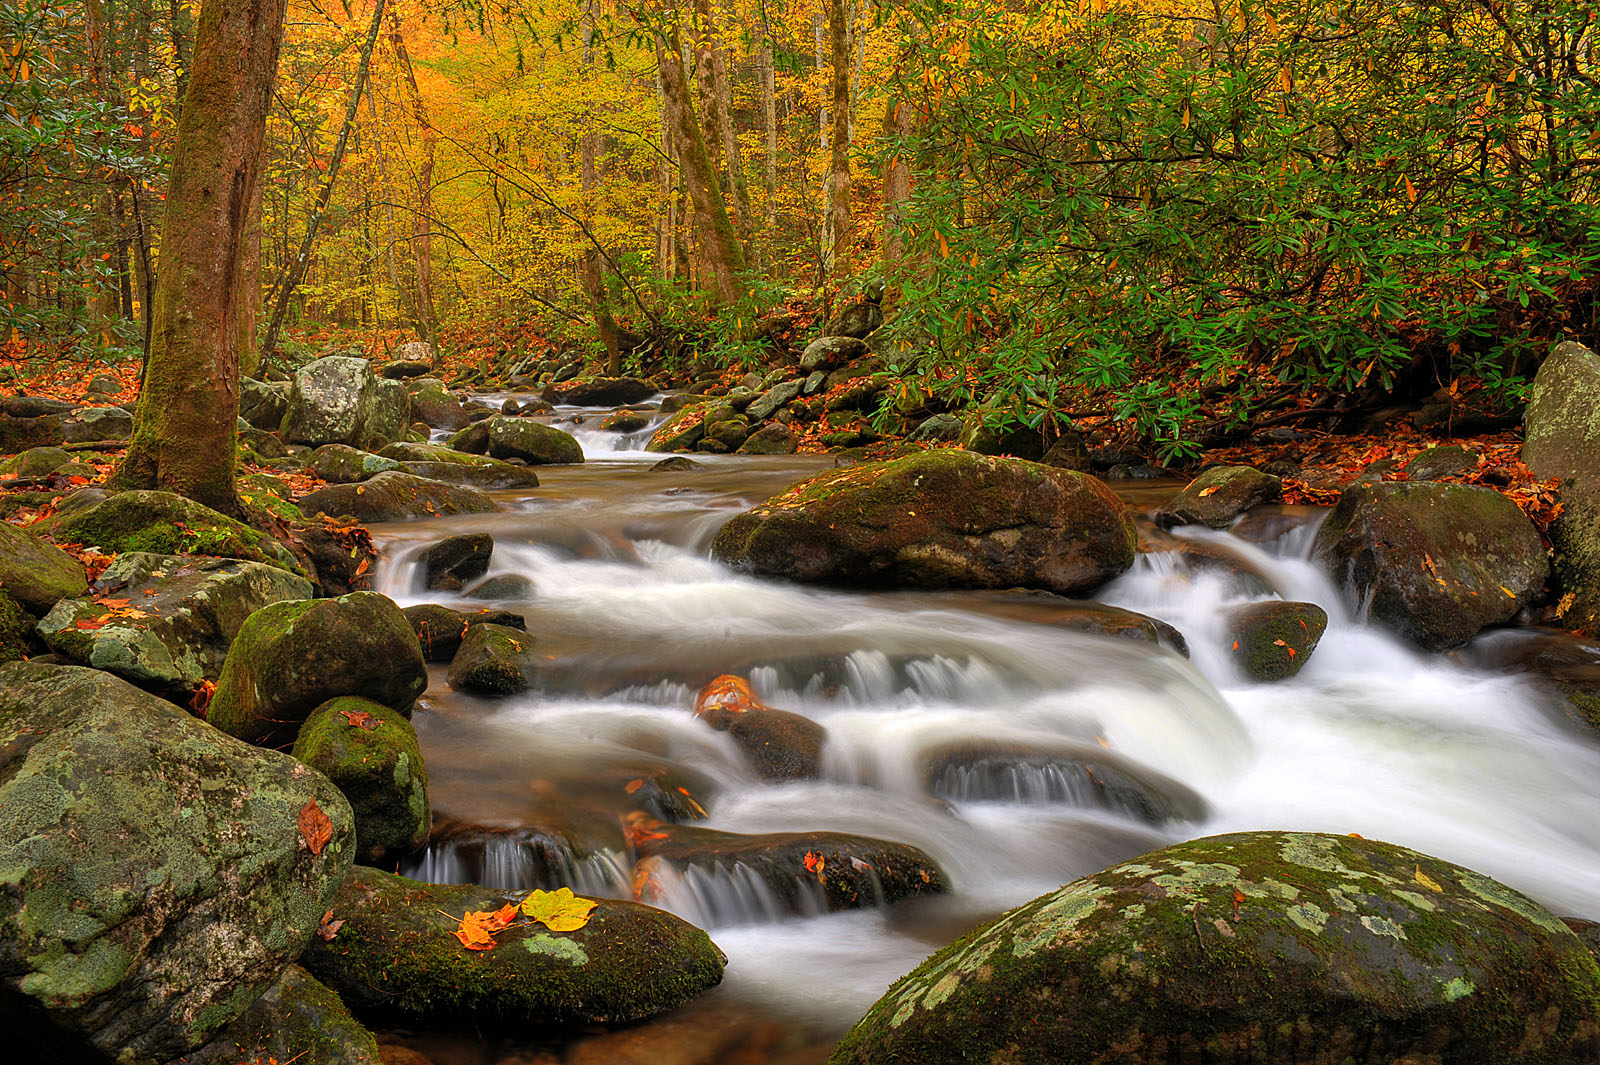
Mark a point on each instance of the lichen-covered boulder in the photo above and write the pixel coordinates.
(395, 496)
(36, 462)
(154, 879)
(493, 660)
(1276, 947)
(1273, 640)
(1218, 496)
(533, 442)
(370, 753)
(395, 955)
(682, 431)
(939, 519)
(773, 439)
(290, 658)
(389, 416)
(767, 404)
(165, 622)
(601, 392)
(439, 629)
(34, 573)
(165, 523)
(1562, 440)
(297, 1020)
(343, 464)
(263, 403)
(329, 402)
(86, 424)
(831, 352)
(460, 467)
(1438, 562)
(432, 402)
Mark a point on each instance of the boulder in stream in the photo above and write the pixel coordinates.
(682, 431)
(395, 955)
(156, 875)
(432, 403)
(601, 392)
(1563, 442)
(1219, 495)
(1282, 947)
(343, 464)
(626, 421)
(439, 629)
(370, 753)
(938, 519)
(454, 561)
(493, 660)
(393, 496)
(1273, 640)
(533, 442)
(778, 744)
(329, 402)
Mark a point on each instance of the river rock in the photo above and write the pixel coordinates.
(1562, 440)
(1439, 562)
(1290, 948)
(804, 871)
(832, 352)
(36, 462)
(453, 562)
(938, 519)
(395, 955)
(626, 421)
(681, 432)
(343, 464)
(1437, 463)
(769, 440)
(34, 573)
(769, 401)
(439, 629)
(680, 401)
(155, 877)
(533, 442)
(290, 658)
(474, 439)
(730, 433)
(940, 428)
(390, 415)
(978, 436)
(1219, 495)
(394, 496)
(1567, 665)
(180, 617)
(329, 402)
(677, 464)
(493, 660)
(1075, 615)
(779, 744)
(370, 753)
(168, 524)
(601, 392)
(298, 1019)
(1273, 640)
(433, 403)
(505, 586)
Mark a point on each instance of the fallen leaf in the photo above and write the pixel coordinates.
(315, 828)
(329, 927)
(361, 719)
(1213, 490)
(472, 933)
(815, 863)
(559, 910)
(727, 692)
(632, 786)
(1426, 881)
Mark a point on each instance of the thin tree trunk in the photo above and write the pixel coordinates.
(716, 102)
(590, 267)
(102, 303)
(184, 436)
(180, 63)
(666, 189)
(769, 119)
(897, 124)
(422, 228)
(295, 269)
(836, 226)
(248, 308)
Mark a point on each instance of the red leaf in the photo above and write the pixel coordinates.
(315, 828)
(361, 719)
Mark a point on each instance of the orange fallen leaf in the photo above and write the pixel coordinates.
(361, 719)
(315, 828)
(472, 933)
(632, 786)
(727, 692)
(329, 927)
(1213, 490)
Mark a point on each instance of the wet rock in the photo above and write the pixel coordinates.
(938, 519)
(474, 439)
(773, 398)
(290, 658)
(1567, 665)
(677, 464)
(803, 872)
(1274, 640)
(601, 392)
(370, 753)
(298, 1019)
(1084, 777)
(769, 440)
(1291, 948)
(778, 744)
(329, 402)
(263, 403)
(343, 464)
(1562, 440)
(533, 442)
(451, 563)
(502, 586)
(180, 617)
(395, 956)
(1437, 463)
(1075, 615)
(433, 403)
(156, 879)
(167, 524)
(626, 421)
(439, 629)
(36, 574)
(1218, 496)
(681, 432)
(1439, 562)
(392, 496)
(730, 434)
(680, 401)
(832, 352)
(493, 660)
(36, 462)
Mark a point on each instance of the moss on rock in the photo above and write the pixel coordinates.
(1219, 495)
(493, 660)
(165, 523)
(298, 1019)
(370, 753)
(392, 496)
(36, 574)
(1274, 640)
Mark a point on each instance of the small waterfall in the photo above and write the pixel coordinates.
(521, 861)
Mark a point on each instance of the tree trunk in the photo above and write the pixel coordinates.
(591, 269)
(716, 102)
(422, 228)
(897, 125)
(184, 436)
(769, 120)
(836, 226)
(102, 303)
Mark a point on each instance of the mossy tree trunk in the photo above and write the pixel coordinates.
(184, 436)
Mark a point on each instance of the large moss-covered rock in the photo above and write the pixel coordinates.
(16, 630)
(533, 442)
(329, 402)
(682, 431)
(1563, 441)
(34, 573)
(1438, 562)
(460, 467)
(343, 464)
(601, 392)
(1219, 495)
(370, 753)
(298, 1019)
(153, 878)
(431, 402)
(290, 658)
(389, 416)
(1273, 640)
(1275, 947)
(36, 462)
(263, 403)
(395, 955)
(394, 496)
(86, 424)
(440, 629)
(178, 618)
(940, 519)
(165, 523)
(493, 660)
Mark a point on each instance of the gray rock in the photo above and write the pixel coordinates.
(87, 424)
(1562, 441)
(533, 442)
(343, 464)
(493, 660)
(859, 320)
(453, 562)
(102, 384)
(1437, 463)
(773, 398)
(296, 1020)
(390, 414)
(941, 428)
(504, 586)
(262, 403)
(831, 352)
(392, 496)
(34, 573)
(330, 402)
(769, 440)
(431, 402)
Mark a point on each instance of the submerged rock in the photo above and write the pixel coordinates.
(453, 562)
(1218, 496)
(1290, 948)
(779, 745)
(1274, 640)
(939, 519)
(155, 879)
(395, 955)
(370, 753)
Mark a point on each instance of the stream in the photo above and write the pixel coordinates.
(632, 616)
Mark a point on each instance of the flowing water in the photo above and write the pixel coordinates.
(632, 616)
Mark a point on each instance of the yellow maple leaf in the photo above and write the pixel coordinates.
(559, 910)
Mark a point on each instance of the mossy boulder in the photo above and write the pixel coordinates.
(773, 439)
(432, 403)
(86, 424)
(395, 496)
(1438, 562)
(939, 519)
(179, 616)
(682, 431)
(153, 877)
(831, 352)
(1437, 463)
(329, 402)
(490, 476)
(343, 464)
(1562, 441)
(298, 1019)
(455, 560)
(533, 442)
(439, 629)
(395, 956)
(290, 658)
(37, 574)
(493, 660)
(165, 523)
(778, 744)
(1273, 640)
(1290, 948)
(1219, 495)
(474, 439)
(626, 421)
(601, 392)
(36, 462)
(389, 416)
(370, 753)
